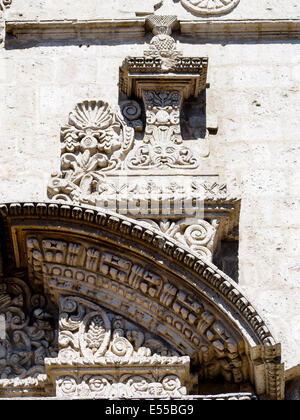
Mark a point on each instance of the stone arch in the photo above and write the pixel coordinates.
(111, 266)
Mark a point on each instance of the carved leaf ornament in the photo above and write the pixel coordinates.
(210, 7)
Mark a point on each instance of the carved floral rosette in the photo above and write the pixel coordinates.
(130, 386)
(210, 7)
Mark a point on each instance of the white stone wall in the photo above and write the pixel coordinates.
(255, 91)
(98, 9)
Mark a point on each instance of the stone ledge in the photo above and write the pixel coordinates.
(64, 30)
(125, 29)
(240, 29)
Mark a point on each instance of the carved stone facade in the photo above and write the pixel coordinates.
(114, 301)
(121, 279)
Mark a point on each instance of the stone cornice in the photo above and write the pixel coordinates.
(117, 30)
(256, 29)
(62, 30)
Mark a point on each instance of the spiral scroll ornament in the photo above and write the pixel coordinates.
(200, 237)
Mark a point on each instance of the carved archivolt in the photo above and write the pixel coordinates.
(210, 7)
(98, 267)
(148, 297)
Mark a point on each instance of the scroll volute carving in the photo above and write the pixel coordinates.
(30, 333)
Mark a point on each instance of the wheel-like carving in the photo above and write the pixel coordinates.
(210, 7)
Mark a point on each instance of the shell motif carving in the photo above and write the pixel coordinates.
(210, 7)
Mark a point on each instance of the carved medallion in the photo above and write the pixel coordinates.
(210, 7)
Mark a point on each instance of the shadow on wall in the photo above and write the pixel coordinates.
(292, 390)
(226, 258)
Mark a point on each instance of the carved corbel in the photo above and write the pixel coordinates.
(163, 79)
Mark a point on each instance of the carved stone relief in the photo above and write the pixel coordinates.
(210, 7)
(153, 284)
(4, 4)
(96, 341)
(163, 144)
(132, 113)
(145, 296)
(200, 237)
(30, 334)
(95, 141)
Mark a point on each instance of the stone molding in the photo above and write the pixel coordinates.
(256, 29)
(115, 30)
(118, 30)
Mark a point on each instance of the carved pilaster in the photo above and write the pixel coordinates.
(268, 371)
